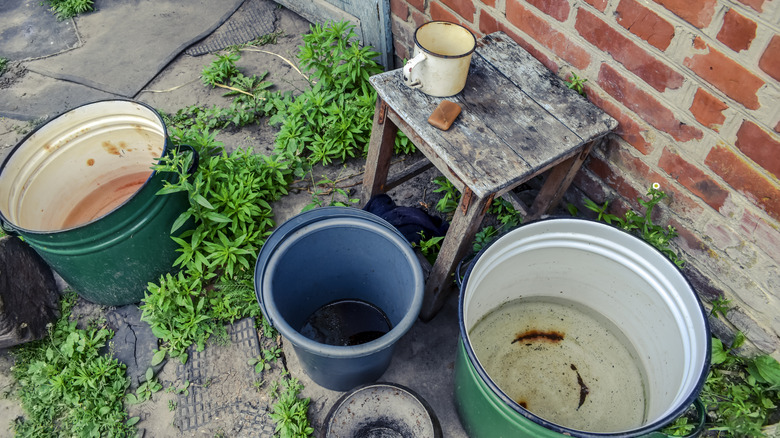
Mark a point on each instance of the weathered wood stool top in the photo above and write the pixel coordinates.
(518, 120)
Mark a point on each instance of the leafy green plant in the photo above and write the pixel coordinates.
(740, 393)
(222, 70)
(325, 187)
(230, 206)
(145, 389)
(332, 119)
(67, 387)
(449, 201)
(505, 213)
(642, 225)
(251, 99)
(429, 247)
(289, 410)
(502, 210)
(263, 361)
(720, 305)
(64, 9)
(403, 146)
(175, 310)
(483, 237)
(577, 84)
(185, 389)
(3, 65)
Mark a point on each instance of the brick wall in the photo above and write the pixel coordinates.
(695, 87)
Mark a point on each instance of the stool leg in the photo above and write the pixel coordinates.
(380, 150)
(558, 181)
(456, 245)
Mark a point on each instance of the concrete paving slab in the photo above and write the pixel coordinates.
(159, 30)
(33, 96)
(29, 30)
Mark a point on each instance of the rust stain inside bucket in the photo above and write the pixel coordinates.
(538, 335)
(105, 198)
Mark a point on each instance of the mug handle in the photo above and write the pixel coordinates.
(409, 66)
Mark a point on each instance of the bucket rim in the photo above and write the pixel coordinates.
(635, 432)
(326, 216)
(439, 55)
(10, 227)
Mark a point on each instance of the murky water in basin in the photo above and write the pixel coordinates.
(564, 362)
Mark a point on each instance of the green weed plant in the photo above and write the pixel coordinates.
(506, 216)
(67, 387)
(230, 206)
(289, 409)
(331, 121)
(740, 393)
(642, 224)
(65, 9)
(577, 84)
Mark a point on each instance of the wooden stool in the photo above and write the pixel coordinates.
(518, 121)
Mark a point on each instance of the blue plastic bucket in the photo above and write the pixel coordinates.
(337, 253)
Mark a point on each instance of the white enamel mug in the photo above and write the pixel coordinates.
(442, 55)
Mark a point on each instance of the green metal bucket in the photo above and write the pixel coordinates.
(81, 191)
(593, 266)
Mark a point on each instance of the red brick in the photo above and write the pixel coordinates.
(487, 23)
(708, 110)
(400, 8)
(598, 4)
(541, 31)
(419, 19)
(693, 179)
(657, 74)
(725, 74)
(644, 105)
(757, 5)
(737, 32)
(690, 242)
(770, 60)
(401, 50)
(558, 9)
(489, 2)
(645, 23)
(628, 129)
(761, 146)
(590, 185)
(612, 178)
(439, 13)
(626, 165)
(697, 12)
(418, 4)
(763, 234)
(743, 177)
(464, 8)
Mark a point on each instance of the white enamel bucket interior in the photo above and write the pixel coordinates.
(51, 171)
(620, 276)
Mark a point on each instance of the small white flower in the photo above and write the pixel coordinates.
(656, 186)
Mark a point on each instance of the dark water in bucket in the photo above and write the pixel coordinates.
(346, 323)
